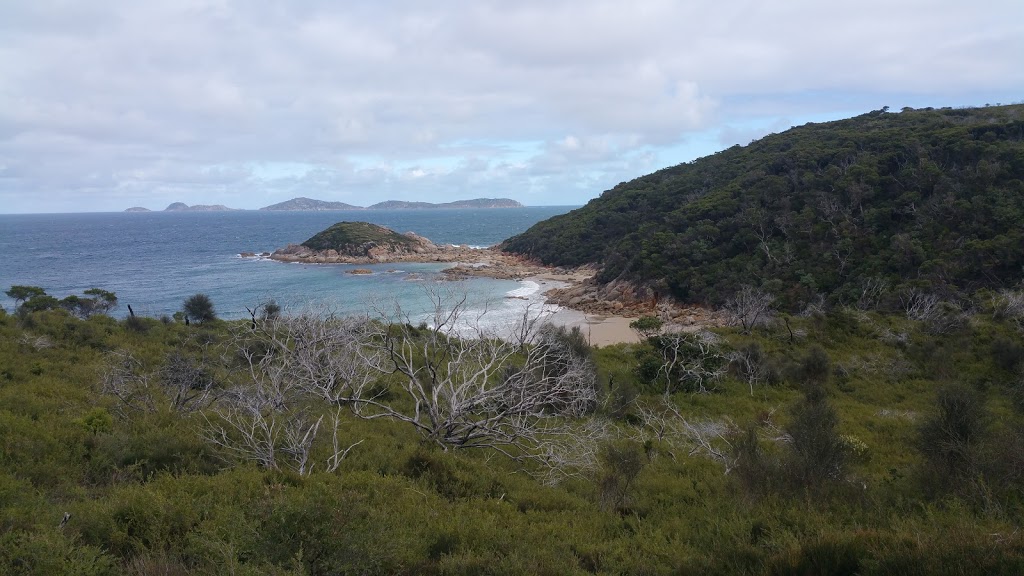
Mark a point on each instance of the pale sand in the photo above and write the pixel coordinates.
(605, 330)
(599, 330)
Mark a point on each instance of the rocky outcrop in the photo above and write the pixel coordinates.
(622, 298)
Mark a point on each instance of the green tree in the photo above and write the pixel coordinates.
(101, 302)
(647, 326)
(199, 308)
(39, 303)
(21, 294)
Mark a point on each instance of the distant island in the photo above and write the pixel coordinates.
(475, 203)
(313, 205)
(182, 207)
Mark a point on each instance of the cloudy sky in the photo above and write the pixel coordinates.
(107, 104)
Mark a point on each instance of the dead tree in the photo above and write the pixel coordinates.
(297, 367)
(690, 359)
(180, 384)
(665, 424)
(749, 306)
(462, 387)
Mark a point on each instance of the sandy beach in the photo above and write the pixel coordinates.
(600, 329)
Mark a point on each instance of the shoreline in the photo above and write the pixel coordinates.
(602, 312)
(599, 329)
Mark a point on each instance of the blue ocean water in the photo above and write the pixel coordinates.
(155, 260)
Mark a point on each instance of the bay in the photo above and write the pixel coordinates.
(154, 260)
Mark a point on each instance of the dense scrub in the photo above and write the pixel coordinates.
(839, 442)
(916, 198)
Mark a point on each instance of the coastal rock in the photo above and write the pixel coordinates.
(362, 243)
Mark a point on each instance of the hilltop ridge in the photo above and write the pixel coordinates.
(920, 199)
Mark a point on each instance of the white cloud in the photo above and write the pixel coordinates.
(544, 101)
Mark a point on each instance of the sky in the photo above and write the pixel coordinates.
(110, 104)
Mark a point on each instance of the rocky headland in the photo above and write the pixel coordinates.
(574, 288)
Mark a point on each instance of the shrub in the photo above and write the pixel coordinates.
(621, 463)
(816, 452)
(647, 326)
(1007, 353)
(199, 307)
(950, 438)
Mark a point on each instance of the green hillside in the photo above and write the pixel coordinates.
(916, 198)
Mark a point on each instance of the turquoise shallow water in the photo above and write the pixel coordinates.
(154, 261)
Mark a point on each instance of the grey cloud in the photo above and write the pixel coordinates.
(175, 100)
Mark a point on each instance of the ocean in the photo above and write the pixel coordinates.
(155, 260)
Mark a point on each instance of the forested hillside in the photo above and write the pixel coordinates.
(916, 198)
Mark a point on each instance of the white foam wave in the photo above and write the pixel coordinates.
(526, 288)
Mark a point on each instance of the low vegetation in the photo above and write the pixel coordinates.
(835, 441)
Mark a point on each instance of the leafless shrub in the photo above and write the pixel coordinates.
(749, 307)
(36, 343)
(572, 451)
(816, 307)
(751, 364)
(312, 353)
(938, 316)
(188, 387)
(457, 385)
(872, 289)
(179, 384)
(891, 338)
(124, 379)
(666, 425)
(920, 306)
(1008, 304)
(250, 424)
(482, 391)
(908, 415)
(690, 360)
(295, 367)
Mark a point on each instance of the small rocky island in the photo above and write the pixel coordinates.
(366, 243)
